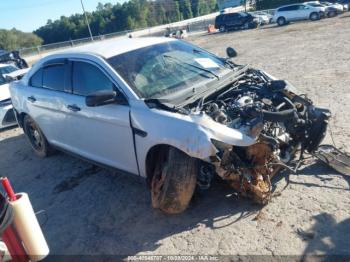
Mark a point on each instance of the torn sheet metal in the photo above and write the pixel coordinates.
(333, 157)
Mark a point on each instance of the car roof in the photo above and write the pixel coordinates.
(113, 47)
(291, 5)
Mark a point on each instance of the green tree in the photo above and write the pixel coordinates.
(132, 14)
(14, 39)
(270, 4)
(185, 8)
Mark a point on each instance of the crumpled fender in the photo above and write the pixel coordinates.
(223, 133)
(191, 134)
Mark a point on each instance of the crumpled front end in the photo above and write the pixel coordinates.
(269, 123)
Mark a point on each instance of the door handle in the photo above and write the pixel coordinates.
(31, 99)
(73, 108)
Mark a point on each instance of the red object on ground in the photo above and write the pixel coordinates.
(211, 28)
(14, 245)
(8, 188)
(10, 236)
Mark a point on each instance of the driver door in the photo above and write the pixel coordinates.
(100, 133)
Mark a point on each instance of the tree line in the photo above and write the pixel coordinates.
(14, 39)
(109, 18)
(133, 14)
(272, 4)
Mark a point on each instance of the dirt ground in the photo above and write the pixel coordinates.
(88, 210)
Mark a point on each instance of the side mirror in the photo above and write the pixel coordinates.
(231, 52)
(100, 98)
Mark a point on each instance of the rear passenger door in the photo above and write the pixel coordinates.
(303, 12)
(45, 97)
(101, 133)
(289, 12)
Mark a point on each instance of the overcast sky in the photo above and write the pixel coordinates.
(28, 15)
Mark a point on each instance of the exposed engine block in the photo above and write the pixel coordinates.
(281, 121)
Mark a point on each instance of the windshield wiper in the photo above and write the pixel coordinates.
(192, 65)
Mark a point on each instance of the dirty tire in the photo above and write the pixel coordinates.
(222, 29)
(281, 21)
(332, 14)
(174, 182)
(36, 138)
(314, 16)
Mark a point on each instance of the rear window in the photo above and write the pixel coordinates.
(37, 79)
(288, 8)
(53, 77)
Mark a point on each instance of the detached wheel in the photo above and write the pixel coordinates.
(36, 138)
(314, 16)
(174, 181)
(281, 21)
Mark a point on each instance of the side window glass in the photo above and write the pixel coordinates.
(37, 79)
(88, 79)
(53, 77)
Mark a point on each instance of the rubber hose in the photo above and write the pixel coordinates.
(279, 116)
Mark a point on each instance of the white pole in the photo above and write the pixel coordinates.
(86, 19)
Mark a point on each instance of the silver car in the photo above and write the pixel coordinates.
(170, 112)
(8, 73)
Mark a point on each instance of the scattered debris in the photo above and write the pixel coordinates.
(260, 216)
(333, 157)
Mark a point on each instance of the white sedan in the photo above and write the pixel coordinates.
(168, 111)
(8, 73)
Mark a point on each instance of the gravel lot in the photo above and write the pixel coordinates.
(89, 210)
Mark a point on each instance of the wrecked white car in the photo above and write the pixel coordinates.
(8, 73)
(170, 112)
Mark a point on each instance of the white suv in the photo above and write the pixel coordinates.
(288, 13)
(170, 112)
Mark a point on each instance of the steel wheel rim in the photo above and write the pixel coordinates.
(35, 137)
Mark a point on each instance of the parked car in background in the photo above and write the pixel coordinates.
(8, 73)
(263, 18)
(322, 9)
(235, 21)
(12, 57)
(344, 3)
(333, 9)
(295, 12)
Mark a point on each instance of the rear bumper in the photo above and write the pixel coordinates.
(7, 116)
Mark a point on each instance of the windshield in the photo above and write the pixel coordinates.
(6, 70)
(158, 70)
(315, 5)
